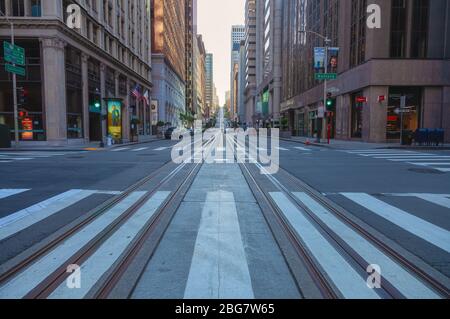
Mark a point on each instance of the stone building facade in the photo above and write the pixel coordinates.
(71, 73)
(408, 56)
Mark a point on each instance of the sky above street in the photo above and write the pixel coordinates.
(215, 18)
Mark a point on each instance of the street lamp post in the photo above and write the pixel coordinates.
(327, 42)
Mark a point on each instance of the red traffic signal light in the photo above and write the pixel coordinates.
(22, 114)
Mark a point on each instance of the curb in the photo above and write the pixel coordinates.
(418, 148)
(83, 149)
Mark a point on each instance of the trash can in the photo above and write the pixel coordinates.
(407, 138)
(5, 136)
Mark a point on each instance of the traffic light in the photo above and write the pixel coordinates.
(22, 96)
(331, 102)
(22, 114)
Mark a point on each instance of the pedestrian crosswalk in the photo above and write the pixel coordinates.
(15, 157)
(438, 162)
(343, 273)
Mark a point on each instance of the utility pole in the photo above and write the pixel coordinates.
(16, 117)
(14, 77)
(327, 42)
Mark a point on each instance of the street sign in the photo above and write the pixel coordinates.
(15, 69)
(13, 53)
(326, 76)
(321, 112)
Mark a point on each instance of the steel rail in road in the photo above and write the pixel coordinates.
(315, 270)
(47, 286)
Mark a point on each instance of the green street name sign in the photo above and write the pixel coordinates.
(15, 69)
(326, 76)
(13, 53)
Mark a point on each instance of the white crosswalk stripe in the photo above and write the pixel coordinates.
(162, 148)
(27, 280)
(25, 218)
(219, 266)
(421, 228)
(399, 277)
(302, 149)
(10, 192)
(140, 149)
(10, 157)
(434, 161)
(121, 149)
(110, 251)
(349, 282)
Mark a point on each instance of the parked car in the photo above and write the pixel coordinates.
(176, 133)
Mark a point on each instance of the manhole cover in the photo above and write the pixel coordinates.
(425, 171)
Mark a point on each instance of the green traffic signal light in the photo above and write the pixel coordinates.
(329, 103)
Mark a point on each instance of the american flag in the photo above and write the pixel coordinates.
(137, 91)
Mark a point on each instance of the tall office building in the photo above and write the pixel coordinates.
(237, 35)
(168, 58)
(406, 57)
(209, 85)
(199, 78)
(71, 72)
(191, 33)
(268, 59)
(250, 62)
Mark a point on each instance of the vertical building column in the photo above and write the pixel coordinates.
(54, 84)
(277, 67)
(7, 7)
(126, 115)
(85, 98)
(103, 96)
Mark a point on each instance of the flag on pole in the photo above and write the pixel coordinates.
(136, 91)
(146, 97)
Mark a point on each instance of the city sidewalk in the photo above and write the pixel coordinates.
(74, 148)
(340, 144)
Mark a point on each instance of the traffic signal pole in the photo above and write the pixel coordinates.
(16, 117)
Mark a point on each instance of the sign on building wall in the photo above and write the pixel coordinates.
(154, 112)
(115, 118)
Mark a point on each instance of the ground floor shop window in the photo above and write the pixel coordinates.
(301, 124)
(410, 116)
(357, 116)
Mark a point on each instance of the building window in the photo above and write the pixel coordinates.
(18, 8)
(357, 116)
(412, 116)
(36, 8)
(398, 29)
(2, 7)
(419, 34)
(74, 94)
(32, 126)
(358, 32)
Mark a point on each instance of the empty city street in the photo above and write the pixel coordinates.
(361, 207)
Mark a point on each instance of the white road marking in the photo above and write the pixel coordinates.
(349, 282)
(120, 149)
(445, 170)
(430, 164)
(219, 268)
(10, 192)
(161, 149)
(302, 149)
(414, 159)
(24, 282)
(25, 218)
(400, 278)
(5, 161)
(282, 149)
(140, 149)
(110, 251)
(416, 226)
(437, 199)
(403, 157)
